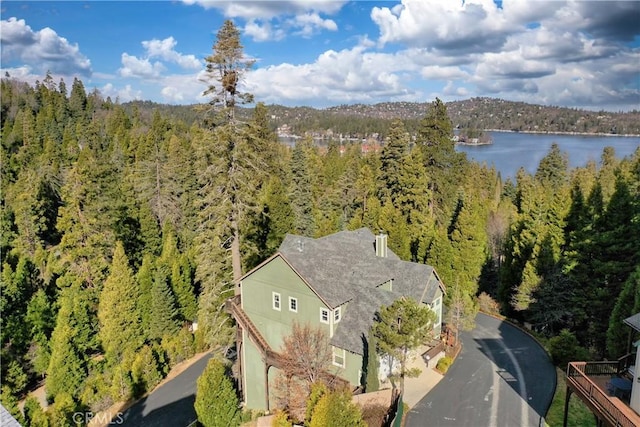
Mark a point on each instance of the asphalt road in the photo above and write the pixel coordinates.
(502, 378)
(171, 405)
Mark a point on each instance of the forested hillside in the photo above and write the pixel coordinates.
(121, 228)
(364, 121)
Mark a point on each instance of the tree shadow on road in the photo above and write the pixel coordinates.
(523, 365)
(175, 414)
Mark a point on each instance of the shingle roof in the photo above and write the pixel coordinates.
(6, 419)
(633, 321)
(343, 267)
(355, 324)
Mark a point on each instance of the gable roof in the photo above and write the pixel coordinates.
(633, 321)
(353, 329)
(343, 267)
(338, 265)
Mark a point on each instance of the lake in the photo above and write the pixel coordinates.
(511, 150)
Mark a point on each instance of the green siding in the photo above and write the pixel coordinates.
(257, 297)
(353, 366)
(257, 302)
(253, 375)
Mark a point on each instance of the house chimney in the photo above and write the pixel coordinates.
(381, 245)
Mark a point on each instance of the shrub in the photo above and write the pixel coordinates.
(488, 304)
(216, 399)
(444, 364)
(145, 372)
(336, 409)
(281, 419)
(373, 414)
(179, 347)
(564, 348)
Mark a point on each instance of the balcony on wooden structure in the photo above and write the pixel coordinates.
(611, 389)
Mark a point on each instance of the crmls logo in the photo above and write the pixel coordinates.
(101, 418)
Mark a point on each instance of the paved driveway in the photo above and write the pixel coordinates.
(171, 405)
(502, 378)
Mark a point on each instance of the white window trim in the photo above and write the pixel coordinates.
(337, 315)
(296, 303)
(273, 301)
(344, 357)
(324, 310)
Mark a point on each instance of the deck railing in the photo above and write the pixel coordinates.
(232, 305)
(578, 379)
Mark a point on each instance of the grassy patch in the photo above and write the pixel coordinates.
(579, 414)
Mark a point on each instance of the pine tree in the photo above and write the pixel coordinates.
(67, 367)
(226, 68)
(627, 304)
(182, 285)
(120, 328)
(164, 314)
(301, 195)
(145, 283)
(401, 327)
(216, 401)
(444, 165)
(391, 158)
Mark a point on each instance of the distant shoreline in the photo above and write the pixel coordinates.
(540, 132)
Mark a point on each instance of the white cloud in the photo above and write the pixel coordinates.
(141, 68)
(261, 9)
(165, 49)
(261, 32)
(43, 50)
(449, 25)
(272, 20)
(436, 72)
(125, 94)
(309, 24)
(349, 75)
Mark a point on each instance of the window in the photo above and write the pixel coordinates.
(338, 357)
(276, 301)
(324, 315)
(293, 304)
(336, 315)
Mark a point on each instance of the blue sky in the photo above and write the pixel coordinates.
(322, 53)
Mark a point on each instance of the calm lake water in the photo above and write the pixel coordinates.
(511, 150)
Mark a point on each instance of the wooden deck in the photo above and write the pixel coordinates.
(588, 380)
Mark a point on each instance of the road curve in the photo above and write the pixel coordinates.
(170, 405)
(502, 378)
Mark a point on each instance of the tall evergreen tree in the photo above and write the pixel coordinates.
(301, 194)
(67, 367)
(120, 328)
(164, 314)
(444, 165)
(392, 157)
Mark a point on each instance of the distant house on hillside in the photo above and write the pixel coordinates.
(338, 283)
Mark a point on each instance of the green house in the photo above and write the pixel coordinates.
(337, 282)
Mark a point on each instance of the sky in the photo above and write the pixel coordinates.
(318, 53)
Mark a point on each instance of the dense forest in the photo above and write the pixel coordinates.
(122, 228)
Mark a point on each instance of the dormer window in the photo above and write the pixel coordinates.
(337, 315)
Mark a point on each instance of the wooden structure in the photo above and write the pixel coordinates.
(588, 381)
